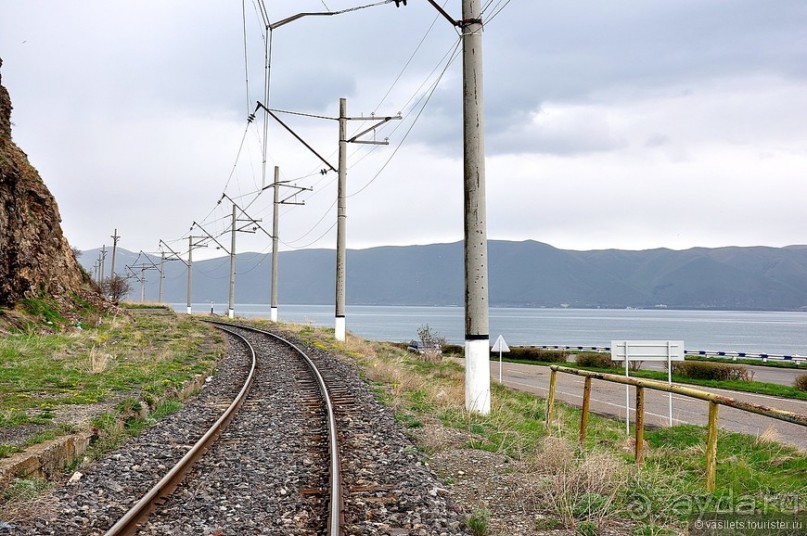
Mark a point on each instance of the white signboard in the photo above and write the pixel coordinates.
(647, 350)
(628, 351)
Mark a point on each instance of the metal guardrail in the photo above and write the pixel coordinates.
(796, 358)
(715, 401)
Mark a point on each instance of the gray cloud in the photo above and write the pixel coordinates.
(702, 95)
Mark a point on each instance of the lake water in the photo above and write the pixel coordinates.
(771, 332)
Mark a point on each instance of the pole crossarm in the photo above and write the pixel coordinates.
(250, 220)
(141, 267)
(286, 184)
(213, 238)
(355, 139)
(301, 140)
(774, 413)
(282, 22)
(174, 255)
(148, 258)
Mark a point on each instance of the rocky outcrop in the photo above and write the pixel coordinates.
(35, 257)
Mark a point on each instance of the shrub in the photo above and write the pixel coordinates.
(700, 370)
(479, 522)
(596, 360)
(541, 355)
(801, 382)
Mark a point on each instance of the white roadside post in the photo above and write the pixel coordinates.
(500, 346)
(626, 351)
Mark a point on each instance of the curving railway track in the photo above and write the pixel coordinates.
(287, 440)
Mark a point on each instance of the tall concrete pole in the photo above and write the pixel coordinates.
(162, 277)
(115, 239)
(231, 306)
(341, 217)
(190, 271)
(275, 229)
(142, 285)
(477, 332)
(103, 260)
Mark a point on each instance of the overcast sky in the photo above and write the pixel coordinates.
(609, 124)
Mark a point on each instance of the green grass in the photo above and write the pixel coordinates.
(145, 358)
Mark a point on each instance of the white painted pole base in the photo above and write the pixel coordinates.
(189, 309)
(230, 313)
(339, 331)
(477, 376)
(273, 314)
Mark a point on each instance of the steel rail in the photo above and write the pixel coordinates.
(137, 515)
(336, 514)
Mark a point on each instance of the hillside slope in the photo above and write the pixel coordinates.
(35, 258)
(522, 274)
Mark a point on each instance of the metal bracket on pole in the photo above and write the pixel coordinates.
(355, 139)
(174, 255)
(301, 140)
(249, 221)
(211, 237)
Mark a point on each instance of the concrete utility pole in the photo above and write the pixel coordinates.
(158, 268)
(275, 230)
(341, 207)
(231, 306)
(115, 239)
(175, 255)
(231, 251)
(276, 184)
(190, 273)
(162, 277)
(341, 217)
(189, 264)
(103, 261)
(477, 332)
(142, 285)
(340, 328)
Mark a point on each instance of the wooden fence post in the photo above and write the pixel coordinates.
(550, 401)
(639, 447)
(584, 412)
(711, 446)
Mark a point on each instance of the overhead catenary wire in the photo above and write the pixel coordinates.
(420, 99)
(246, 48)
(418, 96)
(414, 122)
(497, 11)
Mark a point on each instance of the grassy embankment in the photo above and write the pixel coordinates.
(134, 364)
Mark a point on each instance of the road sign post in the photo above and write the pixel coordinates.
(500, 346)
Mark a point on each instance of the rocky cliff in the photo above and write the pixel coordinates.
(35, 258)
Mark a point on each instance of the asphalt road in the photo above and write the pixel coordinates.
(609, 399)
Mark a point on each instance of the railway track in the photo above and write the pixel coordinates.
(309, 388)
(272, 470)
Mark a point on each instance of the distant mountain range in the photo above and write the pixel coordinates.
(522, 274)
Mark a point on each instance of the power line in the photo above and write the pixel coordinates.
(246, 58)
(496, 12)
(414, 122)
